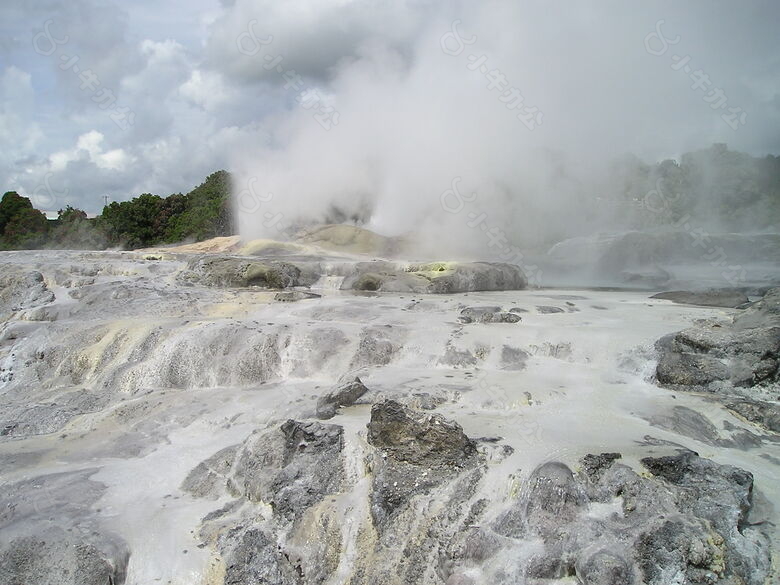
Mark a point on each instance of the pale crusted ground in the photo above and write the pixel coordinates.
(128, 380)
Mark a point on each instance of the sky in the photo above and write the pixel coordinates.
(387, 105)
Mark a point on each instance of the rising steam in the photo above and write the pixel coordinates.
(414, 118)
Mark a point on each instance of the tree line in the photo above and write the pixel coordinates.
(146, 220)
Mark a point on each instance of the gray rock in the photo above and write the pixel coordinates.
(554, 497)
(721, 495)
(291, 468)
(688, 423)
(593, 466)
(487, 315)
(209, 478)
(691, 521)
(479, 313)
(229, 271)
(680, 550)
(22, 290)
(719, 357)
(551, 499)
(343, 395)
(604, 567)
(474, 276)
(730, 298)
(254, 556)
(56, 557)
(457, 357)
(418, 438)
(764, 414)
(435, 277)
(378, 346)
(421, 454)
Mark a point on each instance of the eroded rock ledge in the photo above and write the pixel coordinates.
(427, 509)
(377, 275)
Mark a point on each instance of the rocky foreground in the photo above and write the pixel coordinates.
(737, 360)
(217, 419)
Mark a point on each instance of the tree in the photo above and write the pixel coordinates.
(22, 225)
(11, 204)
(133, 223)
(71, 215)
(207, 211)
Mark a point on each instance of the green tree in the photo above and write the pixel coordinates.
(11, 204)
(22, 225)
(207, 211)
(132, 223)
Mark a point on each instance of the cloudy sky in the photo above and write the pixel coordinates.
(322, 99)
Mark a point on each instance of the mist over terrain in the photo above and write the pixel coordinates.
(619, 140)
(366, 111)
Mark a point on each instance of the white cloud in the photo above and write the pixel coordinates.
(205, 89)
(89, 148)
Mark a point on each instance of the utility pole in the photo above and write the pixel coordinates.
(105, 200)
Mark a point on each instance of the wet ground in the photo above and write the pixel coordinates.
(112, 393)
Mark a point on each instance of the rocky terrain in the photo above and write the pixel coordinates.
(736, 360)
(293, 418)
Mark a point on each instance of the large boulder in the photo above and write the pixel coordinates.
(416, 437)
(291, 468)
(763, 414)
(435, 277)
(420, 454)
(253, 556)
(488, 315)
(721, 357)
(229, 271)
(685, 520)
(455, 277)
(342, 395)
(57, 557)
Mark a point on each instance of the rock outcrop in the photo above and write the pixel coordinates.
(681, 519)
(723, 357)
(488, 315)
(343, 395)
(419, 438)
(231, 271)
(56, 557)
(21, 289)
(435, 277)
(291, 468)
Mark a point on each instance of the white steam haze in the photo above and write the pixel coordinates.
(412, 118)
